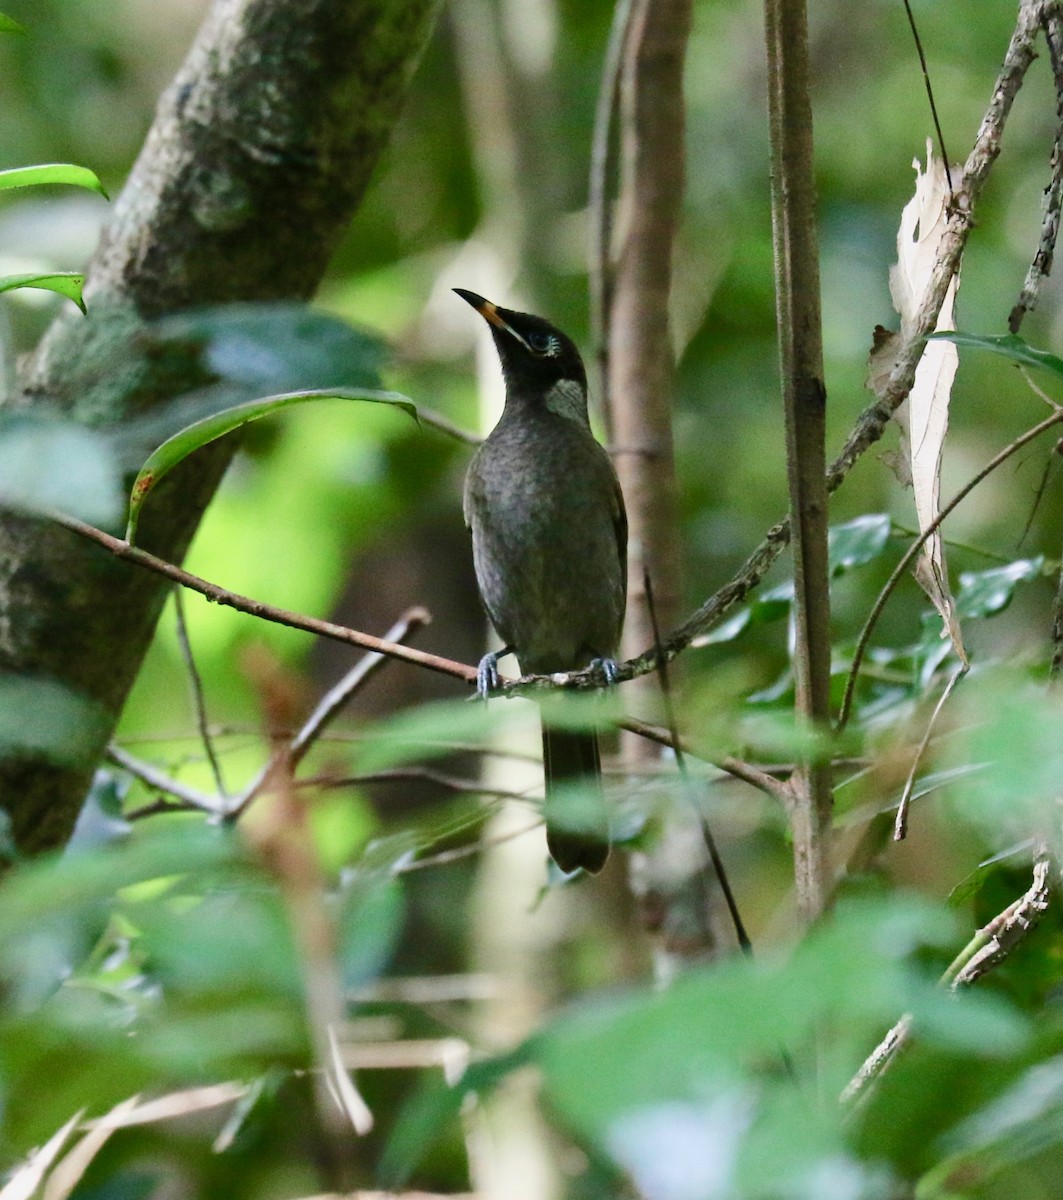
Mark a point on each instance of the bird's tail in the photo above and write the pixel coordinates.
(577, 820)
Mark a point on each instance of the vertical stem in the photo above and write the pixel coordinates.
(640, 350)
(804, 401)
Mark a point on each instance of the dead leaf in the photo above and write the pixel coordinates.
(924, 417)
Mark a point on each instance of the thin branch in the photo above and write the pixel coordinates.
(989, 947)
(688, 788)
(256, 608)
(428, 416)
(199, 703)
(190, 798)
(898, 572)
(900, 825)
(929, 92)
(1053, 200)
(328, 708)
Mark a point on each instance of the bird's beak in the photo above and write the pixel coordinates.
(490, 313)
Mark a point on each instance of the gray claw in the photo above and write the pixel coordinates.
(608, 668)
(487, 675)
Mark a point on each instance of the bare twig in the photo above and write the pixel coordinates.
(989, 947)
(1053, 200)
(880, 603)
(929, 91)
(196, 685)
(805, 406)
(256, 608)
(190, 798)
(688, 788)
(900, 825)
(329, 706)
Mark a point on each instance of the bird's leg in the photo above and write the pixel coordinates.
(608, 669)
(487, 672)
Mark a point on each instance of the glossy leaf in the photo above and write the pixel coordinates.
(857, 542)
(1008, 345)
(983, 593)
(66, 283)
(177, 448)
(45, 173)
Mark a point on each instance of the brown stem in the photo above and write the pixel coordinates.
(805, 405)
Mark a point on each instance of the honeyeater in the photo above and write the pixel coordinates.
(549, 538)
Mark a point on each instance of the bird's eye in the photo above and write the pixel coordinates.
(541, 343)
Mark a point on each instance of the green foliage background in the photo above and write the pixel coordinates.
(163, 958)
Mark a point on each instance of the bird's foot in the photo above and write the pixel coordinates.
(487, 677)
(608, 669)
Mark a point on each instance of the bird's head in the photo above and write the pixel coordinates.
(538, 360)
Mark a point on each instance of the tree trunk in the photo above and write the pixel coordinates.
(260, 152)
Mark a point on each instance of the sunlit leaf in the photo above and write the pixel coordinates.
(10, 25)
(64, 173)
(66, 283)
(177, 448)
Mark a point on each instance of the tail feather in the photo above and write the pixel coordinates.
(577, 820)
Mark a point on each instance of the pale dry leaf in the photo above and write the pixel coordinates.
(166, 1108)
(924, 417)
(27, 1178)
(69, 1170)
(345, 1093)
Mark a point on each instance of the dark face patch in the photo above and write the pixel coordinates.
(539, 357)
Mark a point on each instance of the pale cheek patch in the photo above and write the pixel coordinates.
(567, 399)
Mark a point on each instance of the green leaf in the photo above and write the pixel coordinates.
(1008, 345)
(66, 283)
(369, 924)
(983, 593)
(858, 541)
(177, 448)
(275, 347)
(65, 173)
(48, 464)
(9, 25)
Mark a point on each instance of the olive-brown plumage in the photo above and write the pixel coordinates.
(549, 538)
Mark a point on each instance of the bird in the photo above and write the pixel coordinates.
(549, 538)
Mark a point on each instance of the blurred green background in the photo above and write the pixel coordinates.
(343, 511)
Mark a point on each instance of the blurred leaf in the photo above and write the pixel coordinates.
(983, 593)
(8, 25)
(1008, 345)
(64, 173)
(370, 922)
(181, 445)
(276, 347)
(718, 1060)
(40, 718)
(66, 283)
(48, 464)
(433, 730)
(100, 821)
(858, 541)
